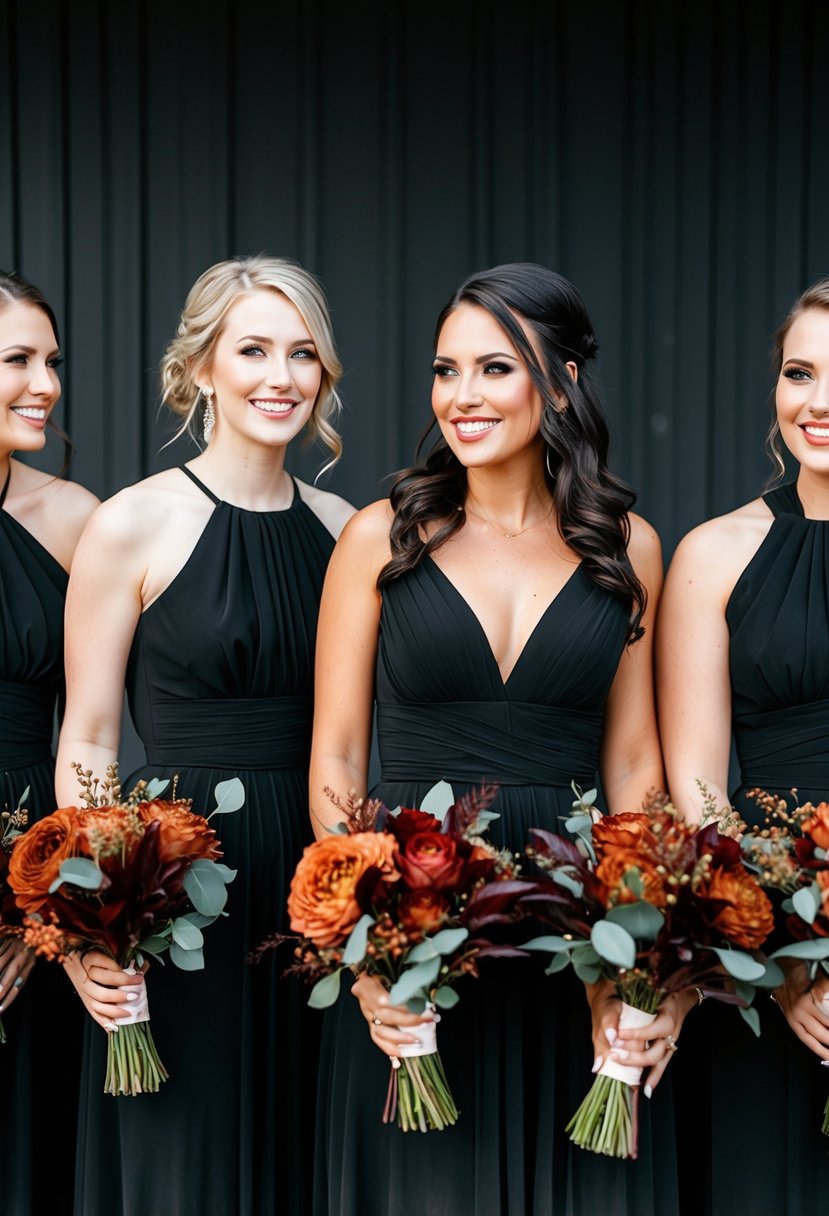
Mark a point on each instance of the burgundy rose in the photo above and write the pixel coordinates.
(430, 859)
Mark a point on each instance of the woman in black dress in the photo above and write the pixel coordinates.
(744, 647)
(41, 518)
(494, 610)
(198, 589)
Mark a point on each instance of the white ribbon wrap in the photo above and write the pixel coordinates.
(138, 1010)
(629, 1019)
(426, 1034)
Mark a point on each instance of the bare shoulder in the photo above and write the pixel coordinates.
(644, 549)
(54, 511)
(716, 552)
(331, 510)
(144, 512)
(365, 538)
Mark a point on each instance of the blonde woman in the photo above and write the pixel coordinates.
(198, 589)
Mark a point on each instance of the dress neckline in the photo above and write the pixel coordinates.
(785, 500)
(221, 502)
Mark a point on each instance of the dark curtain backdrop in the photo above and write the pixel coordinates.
(670, 158)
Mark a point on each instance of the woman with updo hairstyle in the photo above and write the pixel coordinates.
(198, 590)
(41, 519)
(498, 609)
(744, 653)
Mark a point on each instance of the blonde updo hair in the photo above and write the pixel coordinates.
(202, 321)
(816, 296)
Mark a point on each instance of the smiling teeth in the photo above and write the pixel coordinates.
(819, 432)
(30, 411)
(472, 428)
(269, 407)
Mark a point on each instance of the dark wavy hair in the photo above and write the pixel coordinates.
(591, 503)
(816, 296)
(14, 289)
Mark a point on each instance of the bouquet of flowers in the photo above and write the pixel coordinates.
(791, 855)
(133, 877)
(12, 824)
(657, 907)
(411, 896)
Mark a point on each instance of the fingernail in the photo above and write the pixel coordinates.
(132, 996)
(395, 1062)
(618, 1054)
(111, 1026)
(610, 1034)
(823, 1063)
(648, 1092)
(597, 1063)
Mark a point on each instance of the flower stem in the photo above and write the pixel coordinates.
(133, 1063)
(424, 1101)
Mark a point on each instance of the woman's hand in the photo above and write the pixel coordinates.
(656, 1052)
(806, 1008)
(16, 961)
(386, 1022)
(106, 990)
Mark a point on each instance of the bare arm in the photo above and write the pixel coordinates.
(693, 670)
(631, 758)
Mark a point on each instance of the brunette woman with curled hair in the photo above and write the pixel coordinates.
(499, 608)
(198, 589)
(744, 651)
(41, 519)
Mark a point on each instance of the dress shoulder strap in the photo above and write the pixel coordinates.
(5, 489)
(783, 500)
(200, 484)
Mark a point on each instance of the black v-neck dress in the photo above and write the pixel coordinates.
(220, 680)
(517, 1049)
(38, 1064)
(761, 1135)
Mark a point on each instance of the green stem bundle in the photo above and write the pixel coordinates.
(424, 1100)
(133, 1063)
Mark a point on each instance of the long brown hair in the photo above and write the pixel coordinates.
(591, 503)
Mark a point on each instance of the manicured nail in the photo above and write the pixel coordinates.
(610, 1034)
(823, 1063)
(597, 1063)
(648, 1091)
(395, 1062)
(132, 996)
(111, 1026)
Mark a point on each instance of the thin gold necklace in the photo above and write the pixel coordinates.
(500, 528)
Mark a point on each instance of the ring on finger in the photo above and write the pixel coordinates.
(376, 1021)
(670, 1044)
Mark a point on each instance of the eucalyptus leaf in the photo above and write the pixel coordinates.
(752, 1018)
(205, 887)
(568, 882)
(199, 919)
(446, 997)
(741, 966)
(787, 906)
(806, 903)
(415, 980)
(633, 882)
(421, 952)
(80, 872)
(187, 935)
(588, 973)
(355, 947)
(338, 829)
(585, 955)
(613, 943)
(438, 800)
(325, 991)
(155, 786)
(448, 940)
(809, 949)
(559, 962)
(229, 795)
(225, 873)
(819, 854)
(21, 802)
(551, 944)
(187, 960)
(155, 944)
(642, 920)
(772, 976)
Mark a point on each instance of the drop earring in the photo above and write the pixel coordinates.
(209, 420)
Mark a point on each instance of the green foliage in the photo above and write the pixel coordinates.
(80, 872)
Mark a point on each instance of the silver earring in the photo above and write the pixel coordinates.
(209, 420)
(549, 470)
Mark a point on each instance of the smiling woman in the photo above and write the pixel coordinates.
(198, 589)
(744, 648)
(490, 607)
(41, 518)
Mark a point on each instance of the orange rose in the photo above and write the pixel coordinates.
(746, 918)
(612, 869)
(181, 833)
(629, 831)
(323, 904)
(37, 856)
(420, 912)
(817, 828)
